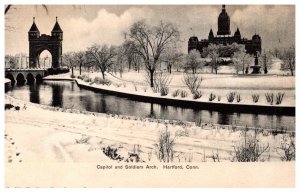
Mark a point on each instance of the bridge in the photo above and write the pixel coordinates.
(21, 76)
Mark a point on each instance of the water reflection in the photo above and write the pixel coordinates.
(34, 93)
(57, 95)
(152, 113)
(69, 95)
(223, 118)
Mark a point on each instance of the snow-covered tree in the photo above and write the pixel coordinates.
(193, 60)
(151, 41)
(102, 56)
(241, 60)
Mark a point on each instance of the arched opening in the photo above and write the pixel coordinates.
(30, 78)
(38, 78)
(45, 60)
(11, 77)
(20, 79)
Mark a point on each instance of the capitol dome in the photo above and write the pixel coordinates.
(223, 23)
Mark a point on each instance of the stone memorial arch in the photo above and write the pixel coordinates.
(38, 43)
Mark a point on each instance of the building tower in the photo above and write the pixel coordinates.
(237, 35)
(211, 35)
(33, 32)
(223, 23)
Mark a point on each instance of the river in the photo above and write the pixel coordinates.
(67, 94)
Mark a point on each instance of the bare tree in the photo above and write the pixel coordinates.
(70, 61)
(80, 58)
(289, 59)
(103, 56)
(129, 52)
(214, 53)
(120, 58)
(9, 7)
(170, 56)
(150, 42)
(193, 60)
(265, 59)
(12, 61)
(240, 59)
(137, 61)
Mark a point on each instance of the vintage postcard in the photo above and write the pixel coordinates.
(181, 96)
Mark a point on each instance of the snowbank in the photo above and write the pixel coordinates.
(39, 133)
(6, 81)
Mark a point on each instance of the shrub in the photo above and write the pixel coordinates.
(164, 91)
(9, 106)
(161, 80)
(269, 97)
(55, 71)
(83, 140)
(112, 153)
(192, 81)
(87, 79)
(255, 98)
(72, 76)
(82, 77)
(183, 94)
(279, 98)
(135, 155)
(165, 146)
(197, 94)
(287, 148)
(176, 93)
(231, 96)
(134, 86)
(117, 85)
(211, 97)
(99, 80)
(249, 150)
(216, 157)
(238, 98)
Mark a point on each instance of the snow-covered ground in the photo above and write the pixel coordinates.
(219, 85)
(6, 80)
(38, 133)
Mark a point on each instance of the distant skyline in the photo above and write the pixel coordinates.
(86, 25)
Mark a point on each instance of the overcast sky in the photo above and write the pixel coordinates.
(86, 25)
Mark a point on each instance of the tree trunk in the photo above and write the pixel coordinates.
(72, 71)
(151, 78)
(80, 68)
(216, 66)
(170, 68)
(103, 75)
(129, 65)
(194, 70)
(291, 68)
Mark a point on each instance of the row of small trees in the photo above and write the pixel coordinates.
(143, 44)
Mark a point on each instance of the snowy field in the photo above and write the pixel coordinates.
(219, 85)
(38, 133)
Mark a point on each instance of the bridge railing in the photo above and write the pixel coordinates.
(27, 69)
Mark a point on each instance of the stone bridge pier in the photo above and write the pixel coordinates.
(22, 76)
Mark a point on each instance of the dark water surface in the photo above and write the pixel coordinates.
(66, 94)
